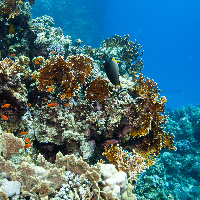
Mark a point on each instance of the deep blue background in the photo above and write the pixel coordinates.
(168, 30)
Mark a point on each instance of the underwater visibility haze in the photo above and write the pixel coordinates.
(99, 99)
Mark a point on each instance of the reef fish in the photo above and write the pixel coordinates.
(5, 105)
(109, 142)
(27, 145)
(4, 117)
(111, 70)
(52, 104)
(23, 133)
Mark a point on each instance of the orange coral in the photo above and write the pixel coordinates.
(97, 90)
(131, 163)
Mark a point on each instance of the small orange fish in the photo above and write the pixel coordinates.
(29, 104)
(5, 105)
(37, 62)
(52, 52)
(12, 54)
(102, 66)
(9, 130)
(52, 104)
(33, 77)
(67, 104)
(4, 117)
(27, 140)
(27, 145)
(50, 89)
(23, 133)
(27, 63)
(25, 75)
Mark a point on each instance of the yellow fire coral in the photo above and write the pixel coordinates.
(97, 90)
(82, 66)
(65, 74)
(146, 118)
(131, 163)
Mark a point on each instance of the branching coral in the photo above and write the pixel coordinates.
(97, 90)
(66, 75)
(131, 163)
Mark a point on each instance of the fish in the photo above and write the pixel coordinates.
(27, 145)
(109, 142)
(67, 104)
(27, 140)
(23, 133)
(50, 89)
(6, 105)
(4, 117)
(52, 104)
(52, 52)
(111, 70)
(37, 62)
(12, 54)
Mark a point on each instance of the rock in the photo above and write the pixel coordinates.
(11, 187)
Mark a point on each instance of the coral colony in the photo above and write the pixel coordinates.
(69, 129)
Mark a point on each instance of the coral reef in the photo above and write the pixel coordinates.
(62, 118)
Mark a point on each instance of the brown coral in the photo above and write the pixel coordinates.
(12, 7)
(97, 90)
(65, 75)
(146, 118)
(82, 66)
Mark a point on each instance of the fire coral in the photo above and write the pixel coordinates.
(66, 75)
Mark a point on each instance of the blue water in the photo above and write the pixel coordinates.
(167, 30)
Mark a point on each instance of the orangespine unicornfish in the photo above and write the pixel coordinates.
(111, 70)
